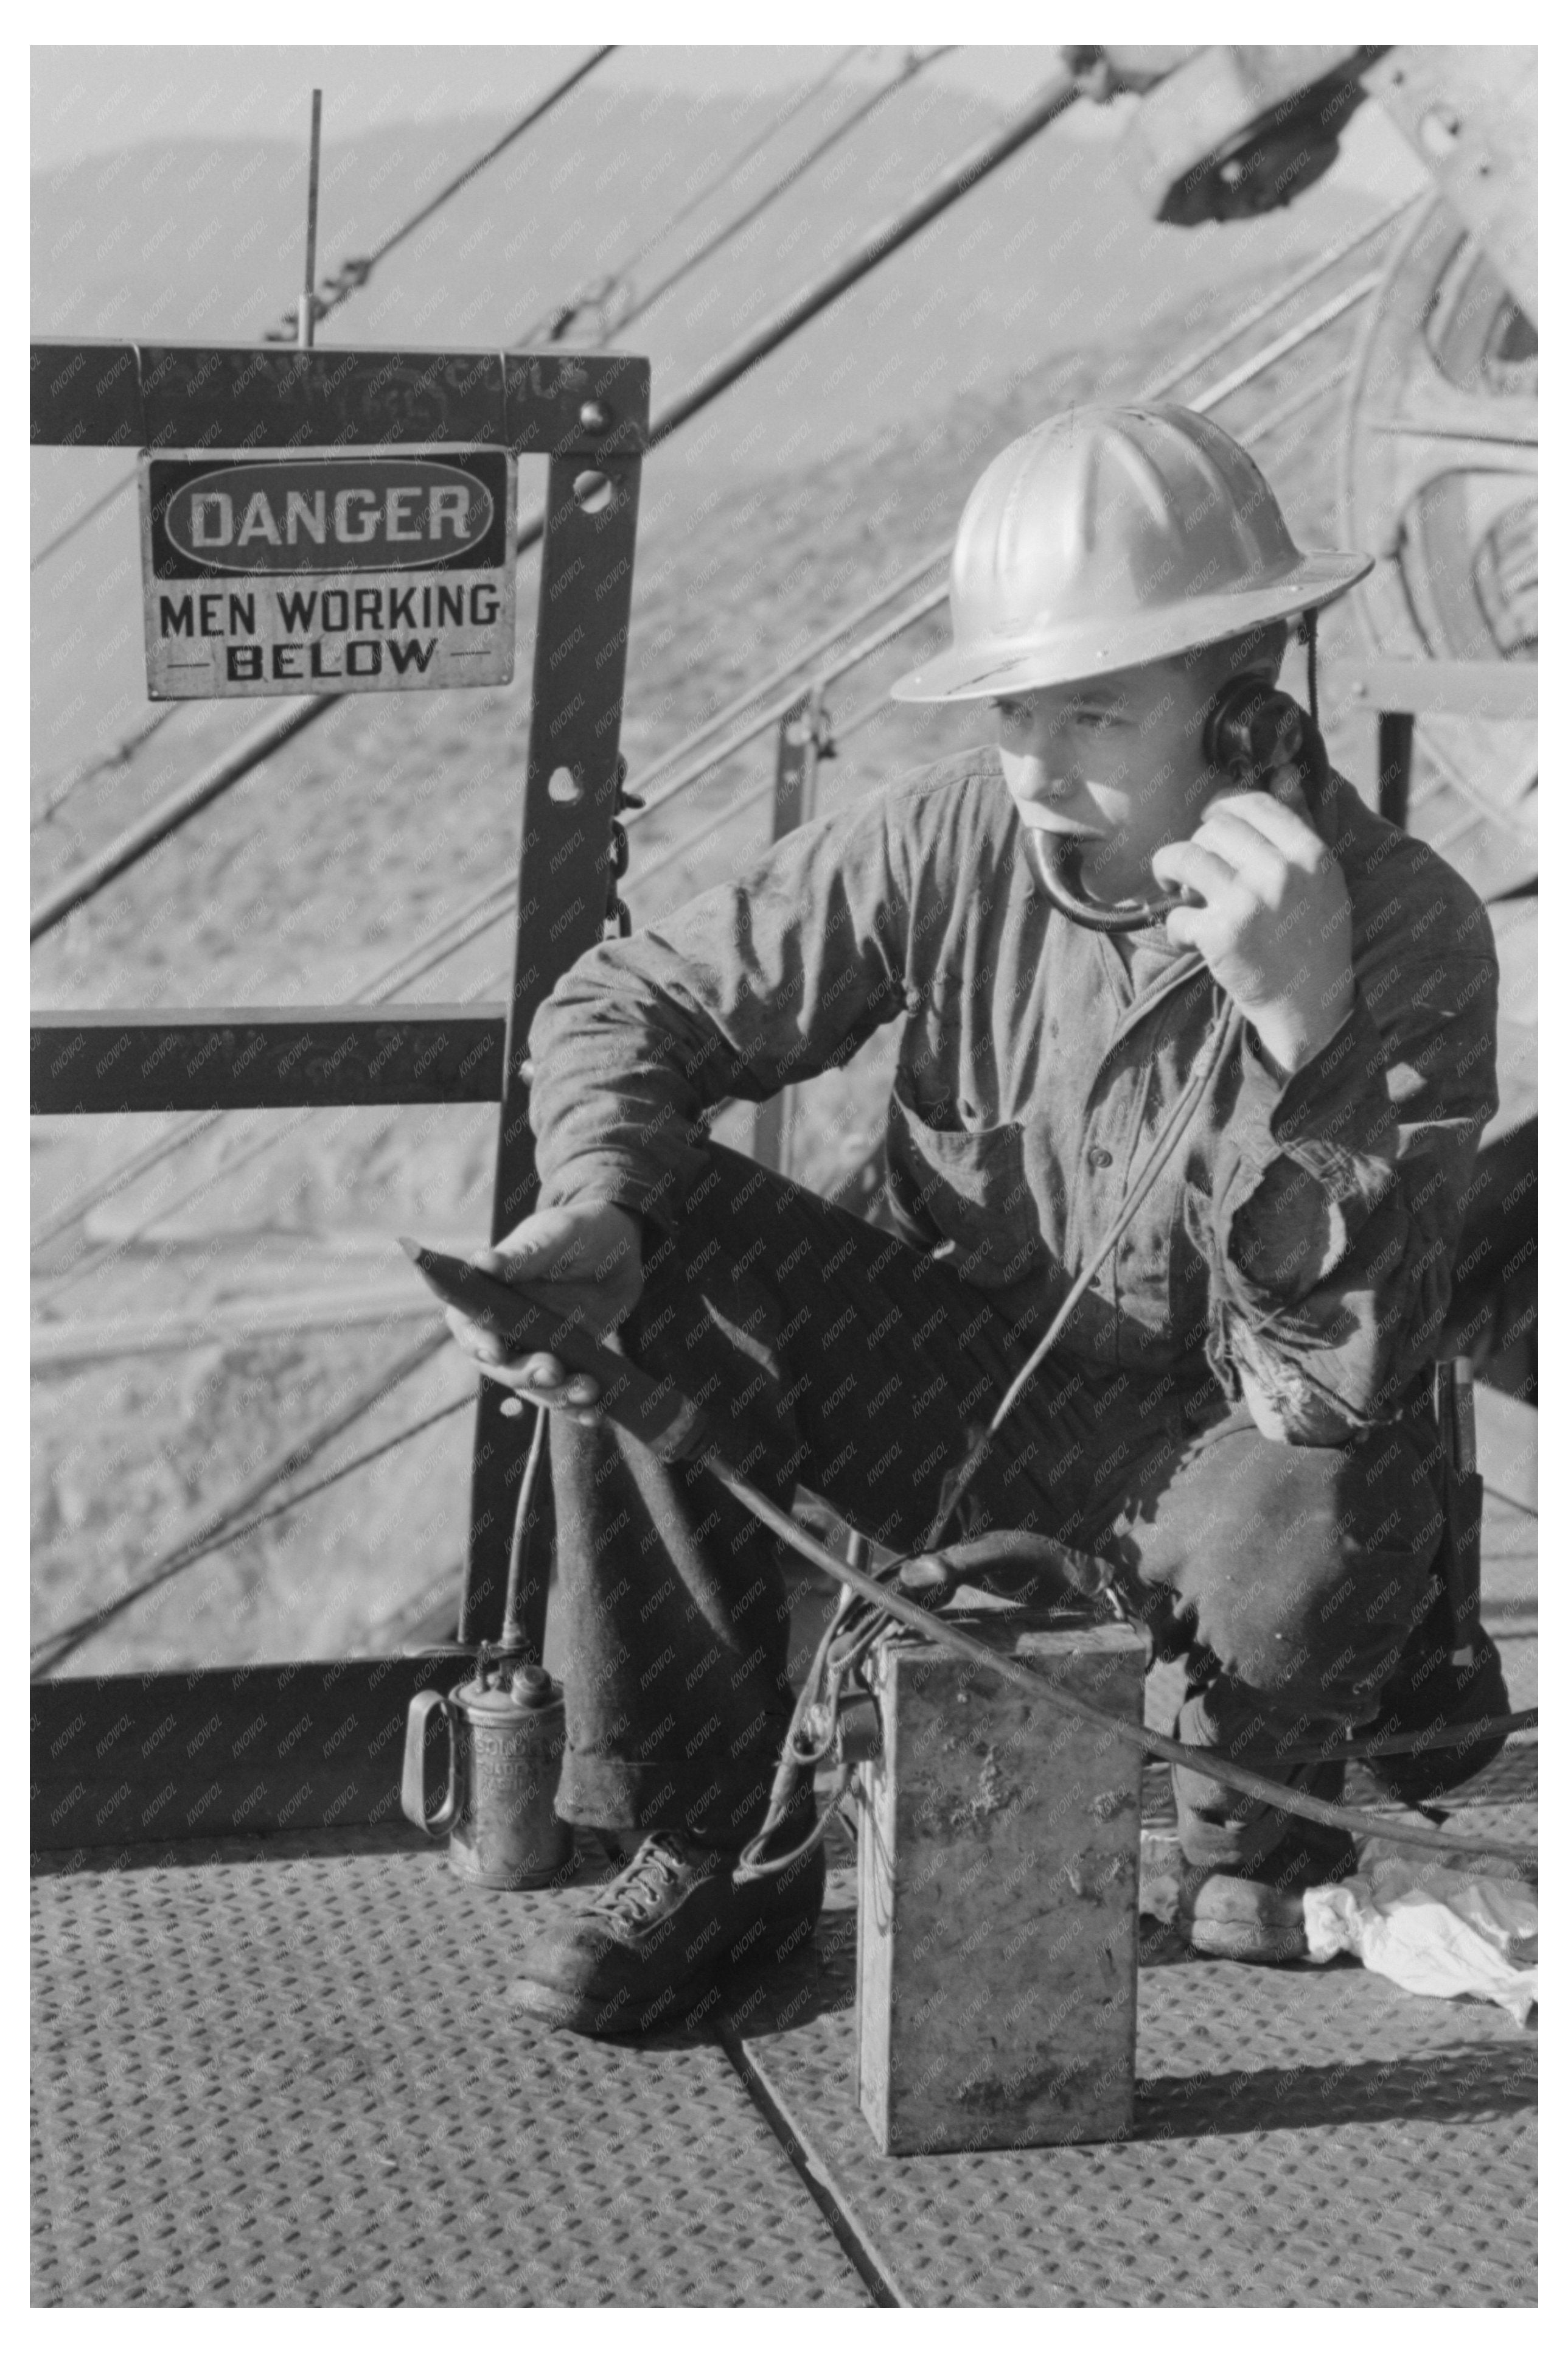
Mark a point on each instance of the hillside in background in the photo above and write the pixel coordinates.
(846, 458)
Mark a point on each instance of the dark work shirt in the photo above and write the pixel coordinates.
(1299, 1242)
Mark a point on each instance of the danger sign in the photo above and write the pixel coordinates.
(280, 573)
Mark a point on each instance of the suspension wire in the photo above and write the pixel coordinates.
(353, 275)
(65, 1640)
(277, 1468)
(553, 322)
(491, 905)
(915, 64)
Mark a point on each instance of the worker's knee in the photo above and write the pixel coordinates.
(1300, 1568)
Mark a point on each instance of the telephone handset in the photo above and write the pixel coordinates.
(1251, 729)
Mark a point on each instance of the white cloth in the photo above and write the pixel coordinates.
(1432, 1930)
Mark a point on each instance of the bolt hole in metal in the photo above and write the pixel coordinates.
(593, 492)
(1439, 132)
(564, 787)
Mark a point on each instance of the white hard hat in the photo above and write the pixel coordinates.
(1110, 537)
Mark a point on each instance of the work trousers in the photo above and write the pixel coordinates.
(830, 1354)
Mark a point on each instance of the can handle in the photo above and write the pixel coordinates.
(421, 1707)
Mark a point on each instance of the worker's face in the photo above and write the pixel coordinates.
(1118, 761)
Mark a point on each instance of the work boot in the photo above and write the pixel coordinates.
(648, 1950)
(1259, 1916)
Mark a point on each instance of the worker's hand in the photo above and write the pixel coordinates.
(1274, 924)
(585, 1258)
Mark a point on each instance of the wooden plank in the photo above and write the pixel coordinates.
(1451, 690)
(91, 392)
(313, 1743)
(252, 1058)
(1507, 1446)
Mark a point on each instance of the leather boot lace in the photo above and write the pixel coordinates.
(634, 1897)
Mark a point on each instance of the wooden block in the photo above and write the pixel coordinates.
(998, 1888)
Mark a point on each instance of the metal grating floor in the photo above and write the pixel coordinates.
(275, 2073)
(1305, 2136)
(293, 2080)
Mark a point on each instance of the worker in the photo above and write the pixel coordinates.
(1234, 1418)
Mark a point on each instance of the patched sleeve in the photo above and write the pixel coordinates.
(1338, 1196)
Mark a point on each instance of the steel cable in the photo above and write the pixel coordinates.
(721, 236)
(552, 324)
(356, 274)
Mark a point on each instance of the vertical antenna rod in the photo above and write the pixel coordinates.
(312, 192)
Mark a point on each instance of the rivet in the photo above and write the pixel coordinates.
(593, 417)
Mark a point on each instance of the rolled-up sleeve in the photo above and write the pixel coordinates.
(1339, 1195)
(763, 982)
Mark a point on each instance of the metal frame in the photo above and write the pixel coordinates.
(1402, 692)
(588, 414)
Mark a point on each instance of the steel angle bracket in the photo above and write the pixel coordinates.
(564, 878)
(96, 393)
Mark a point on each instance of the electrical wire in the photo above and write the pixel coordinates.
(857, 1623)
(956, 1637)
(1206, 1070)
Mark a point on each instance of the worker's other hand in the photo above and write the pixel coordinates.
(583, 1260)
(1274, 924)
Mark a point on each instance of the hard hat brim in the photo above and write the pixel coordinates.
(1089, 648)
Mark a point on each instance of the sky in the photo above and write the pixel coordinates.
(86, 100)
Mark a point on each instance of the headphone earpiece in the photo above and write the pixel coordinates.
(1253, 727)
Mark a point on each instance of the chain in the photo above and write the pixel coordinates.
(618, 917)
